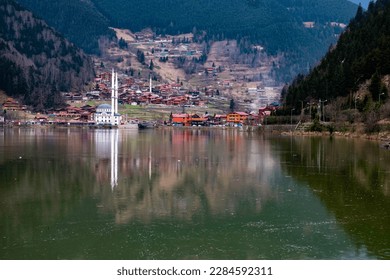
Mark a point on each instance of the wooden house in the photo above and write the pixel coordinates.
(12, 105)
(180, 119)
(237, 117)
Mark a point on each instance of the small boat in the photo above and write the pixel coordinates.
(146, 125)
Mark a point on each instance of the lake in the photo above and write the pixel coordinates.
(73, 193)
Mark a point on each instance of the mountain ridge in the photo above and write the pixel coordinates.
(256, 19)
(39, 61)
(78, 20)
(277, 25)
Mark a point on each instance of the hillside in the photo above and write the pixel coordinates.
(40, 62)
(361, 57)
(277, 25)
(262, 20)
(79, 21)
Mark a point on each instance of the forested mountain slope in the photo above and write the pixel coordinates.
(277, 25)
(362, 53)
(37, 62)
(78, 20)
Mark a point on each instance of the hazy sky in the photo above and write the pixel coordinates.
(363, 2)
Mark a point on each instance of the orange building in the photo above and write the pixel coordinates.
(188, 120)
(180, 119)
(195, 119)
(237, 117)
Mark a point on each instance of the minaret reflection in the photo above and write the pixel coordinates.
(106, 145)
(114, 158)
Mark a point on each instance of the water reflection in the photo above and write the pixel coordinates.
(352, 179)
(177, 194)
(183, 173)
(106, 148)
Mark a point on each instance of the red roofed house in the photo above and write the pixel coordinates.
(180, 119)
(12, 105)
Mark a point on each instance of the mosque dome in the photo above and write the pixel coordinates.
(103, 108)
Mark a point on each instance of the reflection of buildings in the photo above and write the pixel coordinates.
(183, 173)
(114, 158)
(106, 145)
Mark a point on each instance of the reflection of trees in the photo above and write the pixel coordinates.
(63, 176)
(44, 175)
(183, 173)
(351, 178)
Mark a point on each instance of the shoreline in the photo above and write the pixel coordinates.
(284, 130)
(379, 136)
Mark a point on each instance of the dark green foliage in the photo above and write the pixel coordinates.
(362, 53)
(151, 65)
(122, 44)
(375, 86)
(141, 56)
(79, 21)
(317, 126)
(232, 105)
(37, 62)
(277, 25)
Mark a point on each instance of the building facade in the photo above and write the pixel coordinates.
(108, 114)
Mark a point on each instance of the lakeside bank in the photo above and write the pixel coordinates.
(357, 131)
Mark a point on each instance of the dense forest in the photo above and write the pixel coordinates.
(361, 56)
(277, 24)
(79, 21)
(37, 62)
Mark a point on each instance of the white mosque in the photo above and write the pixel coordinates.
(108, 114)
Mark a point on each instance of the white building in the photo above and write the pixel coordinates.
(103, 115)
(108, 114)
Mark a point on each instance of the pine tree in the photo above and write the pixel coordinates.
(232, 105)
(375, 86)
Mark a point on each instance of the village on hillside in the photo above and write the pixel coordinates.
(80, 113)
(216, 92)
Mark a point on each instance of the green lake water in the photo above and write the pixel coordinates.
(191, 194)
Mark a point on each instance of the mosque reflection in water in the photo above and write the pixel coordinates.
(191, 193)
(181, 173)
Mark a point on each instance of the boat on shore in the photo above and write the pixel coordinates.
(146, 125)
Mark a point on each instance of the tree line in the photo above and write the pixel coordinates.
(361, 55)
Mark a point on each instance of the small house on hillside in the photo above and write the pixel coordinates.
(12, 105)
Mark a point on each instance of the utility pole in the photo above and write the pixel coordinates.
(379, 97)
(291, 118)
